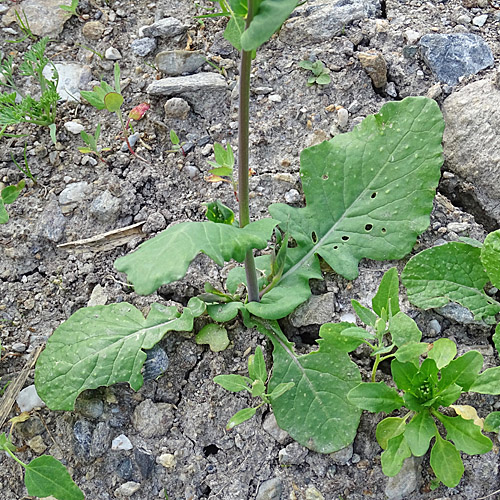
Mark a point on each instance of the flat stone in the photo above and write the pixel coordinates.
(177, 62)
(52, 222)
(375, 66)
(74, 127)
(457, 313)
(321, 21)
(45, 17)
(143, 46)
(317, 310)
(271, 427)
(28, 399)
(72, 78)
(152, 420)
(93, 30)
(121, 442)
(480, 21)
(293, 454)
(270, 490)
(472, 117)
(453, 56)
(201, 82)
(127, 489)
(164, 28)
(405, 482)
(106, 207)
(74, 193)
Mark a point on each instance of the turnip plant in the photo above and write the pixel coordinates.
(369, 194)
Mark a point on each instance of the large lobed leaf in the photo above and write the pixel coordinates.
(103, 345)
(450, 273)
(369, 195)
(166, 257)
(315, 411)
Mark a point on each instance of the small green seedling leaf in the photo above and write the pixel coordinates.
(45, 476)
(490, 257)
(396, 453)
(410, 353)
(419, 433)
(215, 336)
(344, 336)
(387, 296)
(403, 373)
(240, 417)
(446, 462)
(10, 194)
(462, 371)
(113, 101)
(403, 329)
(4, 215)
(375, 397)
(258, 388)
(450, 273)
(388, 428)
(487, 382)
(233, 383)
(174, 139)
(364, 314)
(257, 366)
(492, 422)
(442, 352)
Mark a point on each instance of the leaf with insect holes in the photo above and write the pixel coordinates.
(103, 345)
(450, 273)
(369, 195)
(321, 381)
(45, 476)
(173, 250)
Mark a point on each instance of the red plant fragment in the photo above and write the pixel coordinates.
(139, 111)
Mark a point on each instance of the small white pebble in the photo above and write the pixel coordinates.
(73, 127)
(28, 399)
(342, 117)
(121, 442)
(275, 98)
(112, 54)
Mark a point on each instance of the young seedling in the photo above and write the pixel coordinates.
(26, 168)
(29, 110)
(91, 142)
(426, 386)
(176, 143)
(320, 75)
(23, 26)
(71, 9)
(9, 195)
(107, 97)
(255, 384)
(44, 476)
(223, 170)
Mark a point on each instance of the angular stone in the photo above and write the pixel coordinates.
(472, 117)
(270, 490)
(93, 30)
(143, 46)
(106, 207)
(72, 78)
(313, 23)
(177, 62)
(453, 56)
(202, 82)
(400, 486)
(52, 222)
(374, 64)
(164, 28)
(28, 399)
(45, 17)
(74, 193)
(317, 310)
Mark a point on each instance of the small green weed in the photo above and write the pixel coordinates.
(71, 9)
(320, 75)
(9, 195)
(176, 144)
(91, 141)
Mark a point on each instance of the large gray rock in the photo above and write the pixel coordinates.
(177, 62)
(45, 17)
(164, 28)
(451, 57)
(319, 21)
(472, 118)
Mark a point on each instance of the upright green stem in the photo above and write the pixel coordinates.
(243, 133)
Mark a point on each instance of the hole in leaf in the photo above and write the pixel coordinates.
(345, 238)
(368, 227)
(373, 195)
(335, 247)
(211, 449)
(314, 237)
(325, 177)
(384, 230)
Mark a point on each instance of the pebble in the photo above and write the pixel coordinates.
(93, 30)
(152, 419)
(127, 489)
(52, 223)
(121, 442)
(412, 36)
(74, 127)
(391, 89)
(37, 444)
(143, 46)
(74, 193)
(435, 91)
(292, 197)
(342, 456)
(167, 460)
(458, 227)
(89, 408)
(28, 399)
(318, 309)
(30, 428)
(72, 77)
(106, 207)
(270, 490)
(271, 427)
(463, 19)
(312, 493)
(293, 454)
(156, 363)
(456, 55)
(274, 98)
(145, 462)
(199, 83)
(191, 171)
(435, 326)
(400, 486)
(18, 347)
(164, 28)
(98, 297)
(112, 54)
(375, 66)
(342, 118)
(177, 108)
(101, 440)
(132, 140)
(177, 62)
(480, 20)
(86, 159)
(82, 434)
